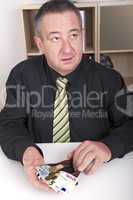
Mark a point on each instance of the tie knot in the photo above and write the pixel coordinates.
(61, 82)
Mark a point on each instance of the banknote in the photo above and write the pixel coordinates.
(61, 177)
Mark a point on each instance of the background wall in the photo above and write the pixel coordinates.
(116, 26)
(12, 48)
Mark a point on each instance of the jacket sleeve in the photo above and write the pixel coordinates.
(120, 113)
(14, 134)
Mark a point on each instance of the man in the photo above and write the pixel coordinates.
(92, 112)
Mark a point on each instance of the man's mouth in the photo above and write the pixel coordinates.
(67, 60)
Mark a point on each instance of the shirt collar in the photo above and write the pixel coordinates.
(73, 78)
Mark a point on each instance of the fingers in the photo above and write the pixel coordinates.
(31, 174)
(89, 167)
(56, 168)
(80, 154)
(84, 156)
(90, 155)
(75, 153)
(86, 161)
(32, 157)
(59, 167)
(81, 147)
(92, 168)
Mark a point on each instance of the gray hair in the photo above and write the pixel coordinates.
(54, 6)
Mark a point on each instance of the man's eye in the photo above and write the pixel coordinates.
(74, 36)
(55, 39)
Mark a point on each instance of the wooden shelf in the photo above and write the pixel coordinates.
(114, 2)
(117, 51)
(30, 7)
(86, 4)
(79, 5)
(34, 53)
(89, 50)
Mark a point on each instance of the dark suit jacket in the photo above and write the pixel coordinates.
(97, 107)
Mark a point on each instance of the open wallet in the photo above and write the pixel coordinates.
(61, 177)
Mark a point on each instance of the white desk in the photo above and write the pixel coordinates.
(113, 181)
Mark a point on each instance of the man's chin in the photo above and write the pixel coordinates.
(67, 69)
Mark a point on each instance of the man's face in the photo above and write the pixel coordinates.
(61, 41)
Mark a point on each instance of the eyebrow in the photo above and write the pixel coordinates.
(74, 29)
(57, 32)
(54, 32)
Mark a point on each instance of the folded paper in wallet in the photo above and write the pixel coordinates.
(61, 176)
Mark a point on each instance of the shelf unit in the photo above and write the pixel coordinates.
(115, 35)
(108, 30)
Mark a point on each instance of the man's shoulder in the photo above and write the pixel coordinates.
(102, 72)
(27, 71)
(29, 65)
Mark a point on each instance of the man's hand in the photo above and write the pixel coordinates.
(31, 159)
(89, 156)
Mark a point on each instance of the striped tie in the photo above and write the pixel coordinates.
(61, 131)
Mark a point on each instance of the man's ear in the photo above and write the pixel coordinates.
(39, 43)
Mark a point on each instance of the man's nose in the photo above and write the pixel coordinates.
(66, 46)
